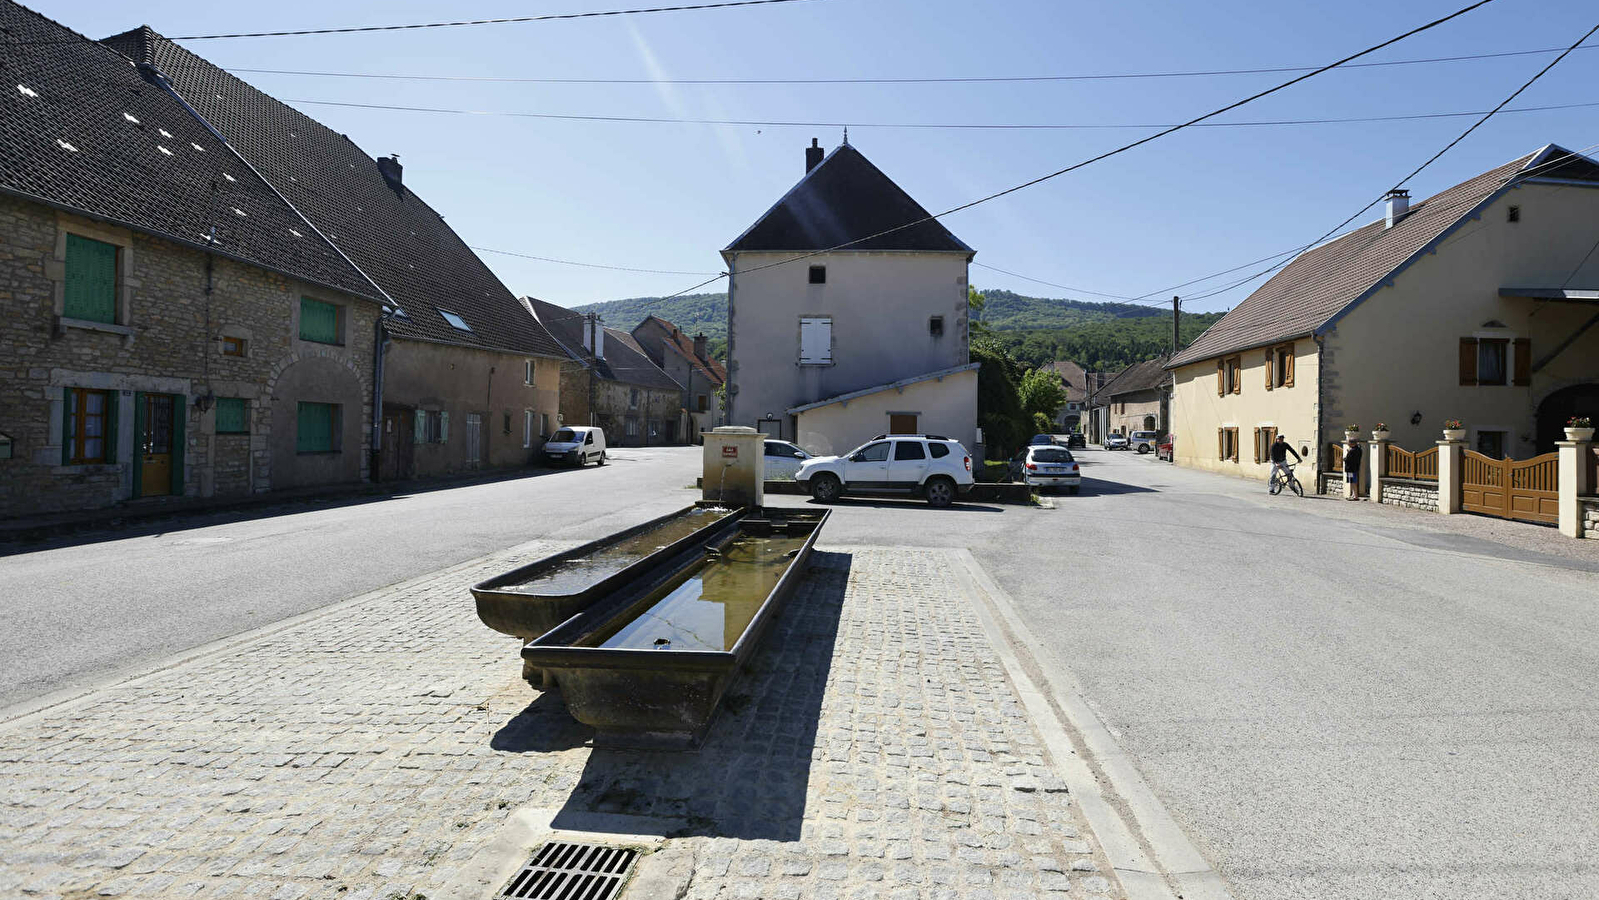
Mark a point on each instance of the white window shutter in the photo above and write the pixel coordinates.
(816, 340)
(444, 427)
(420, 429)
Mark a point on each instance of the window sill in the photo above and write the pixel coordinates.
(86, 469)
(317, 452)
(91, 325)
(323, 343)
(815, 365)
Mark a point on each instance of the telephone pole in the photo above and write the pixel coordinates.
(1176, 329)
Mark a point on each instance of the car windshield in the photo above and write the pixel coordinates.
(1052, 455)
(564, 436)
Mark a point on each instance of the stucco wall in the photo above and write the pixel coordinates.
(947, 407)
(1397, 354)
(880, 304)
(1197, 412)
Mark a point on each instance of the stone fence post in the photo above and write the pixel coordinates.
(1376, 466)
(1449, 473)
(1573, 484)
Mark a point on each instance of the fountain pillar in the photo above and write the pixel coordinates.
(735, 466)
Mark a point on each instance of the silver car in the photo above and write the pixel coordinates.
(783, 460)
(1116, 442)
(1051, 467)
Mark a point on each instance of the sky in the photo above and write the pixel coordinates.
(669, 196)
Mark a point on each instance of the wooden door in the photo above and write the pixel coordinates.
(155, 433)
(399, 437)
(902, 423)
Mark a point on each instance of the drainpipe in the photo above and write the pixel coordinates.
(380, 349)
(1321, 402)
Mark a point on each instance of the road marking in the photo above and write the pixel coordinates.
(1176, 862)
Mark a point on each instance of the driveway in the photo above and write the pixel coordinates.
(119, 600)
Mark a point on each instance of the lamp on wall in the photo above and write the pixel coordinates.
(203, 402)
(1415, 417)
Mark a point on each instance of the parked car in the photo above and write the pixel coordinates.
(1163, 450)
(926, 465)
(574, 445)
(1045, 439)
(1143, 441)
(783, 460)
(1044, 467)
(1116, 441)
(1076, 441)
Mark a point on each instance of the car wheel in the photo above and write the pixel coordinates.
(825, 488)
(1143, 449)
(940, 492)
(601, 461)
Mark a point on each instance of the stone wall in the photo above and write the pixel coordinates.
(614, 411)
(1590, 516)
(1410, 494)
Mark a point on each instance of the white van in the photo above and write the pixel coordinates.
(575, 445)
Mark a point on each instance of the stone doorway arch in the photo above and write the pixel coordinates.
(1557, 408)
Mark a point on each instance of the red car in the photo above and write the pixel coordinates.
(1163, 449)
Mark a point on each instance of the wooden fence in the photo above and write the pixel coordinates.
(1528, 489)
(1335, 457)
(1401, 463)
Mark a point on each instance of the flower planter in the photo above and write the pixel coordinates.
(1454, 434)
(1579, 434)
(1380, 435)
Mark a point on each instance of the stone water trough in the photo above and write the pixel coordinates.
(648, 663)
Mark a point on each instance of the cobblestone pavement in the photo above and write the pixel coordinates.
(875, 750)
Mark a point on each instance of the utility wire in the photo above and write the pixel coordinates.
(568, 262)
(1051, 283)
(958, 79)
(354, 29)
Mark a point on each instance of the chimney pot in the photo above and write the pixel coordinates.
(813, 155)
(392, 170)
(699, 346)
(1398, 205)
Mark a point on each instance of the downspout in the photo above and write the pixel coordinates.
(731, 385)
(380, 349)
(1321, 402)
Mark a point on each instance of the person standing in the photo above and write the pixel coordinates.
(1352, 458)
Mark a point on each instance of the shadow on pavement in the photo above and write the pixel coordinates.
(1099, 487)
(749, 779)
(908, 503)
(542, 727)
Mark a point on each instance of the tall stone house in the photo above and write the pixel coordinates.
(847, 314)
(1074, 383)
(1138, 399)
(1478, 304)
(688, 362)
(173, 326)
(608, 380)
(466, 380)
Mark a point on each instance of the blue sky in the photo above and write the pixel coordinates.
(669, 196)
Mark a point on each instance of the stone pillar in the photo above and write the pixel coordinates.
(734, 466)
(1376, 463)
(1573, 484)
(1449, 473)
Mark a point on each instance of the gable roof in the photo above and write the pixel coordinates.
(671, 337)
(1322, 282)
(843, 199)
(1072, 376)
(81, 129)
(624, 361)
(1145, 376)
(399, 241)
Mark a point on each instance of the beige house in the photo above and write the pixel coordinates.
(832, 349)
(1476, 304)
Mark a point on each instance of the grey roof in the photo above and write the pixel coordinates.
(1145, 376)
(843, 199)
(82, 129)
(1324, 281)
(878, 389)
(625, 361)
(1072, 377)
(395, 238)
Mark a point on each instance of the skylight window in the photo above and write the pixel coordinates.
(26, 91)
(229, 177)
(295, 233)
(163, 149)
(239, 212)
(131, 118)
(196, 146)
(66, 146)
(455, 320)
(164, 133)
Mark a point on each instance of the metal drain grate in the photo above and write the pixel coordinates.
(562, 870)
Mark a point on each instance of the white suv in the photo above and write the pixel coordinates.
(931, 465)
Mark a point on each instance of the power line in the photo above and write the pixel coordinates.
(958, 79)
(568, 262)
(1051, 283)
(354, 29)
(757, 123)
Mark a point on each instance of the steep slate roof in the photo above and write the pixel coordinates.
(673, 337)
(625, 361)
(1321, 282)
(81, 129)
(1145, 376)
(845, 198)
(396, 239)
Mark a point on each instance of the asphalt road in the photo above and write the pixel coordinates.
(108, 602)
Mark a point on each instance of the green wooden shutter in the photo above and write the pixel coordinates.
(314, 432)
(444, 427)
(232, 415)
(138, 445)
(419, 426)
(113, 399)
(91, 287)
(66, 425)
(180, 417)
(319, 321)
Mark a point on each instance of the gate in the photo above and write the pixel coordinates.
(1509, 489)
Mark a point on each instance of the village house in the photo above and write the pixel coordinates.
(173, 328)
(830, 347)
(1137, 399)
(688, 362)
(1476, 304)
(608, 380)
(1077, 384)
(467, 379)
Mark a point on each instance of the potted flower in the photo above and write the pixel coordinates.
(1454, 430)
(1380, 432)
(1579, 428)
(1351, 430)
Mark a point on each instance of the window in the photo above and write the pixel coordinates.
(818, 274)
(527, 428)
(318, 428)
(877, 452)
(1492, 443)
(1231, 371)
(1492, 356)
(1280, 367)
(909, 450)
(935, 326)
(432, 427)
(902, 423)
(1264, 437)
(939, 451)
(527, 372)
(233, 415)
(455, 320)
(632, 398)
(233, 346)
(544, 423)
(320, 322)
(474, 437)
(1513, 214)
(89, 425)
(91, 282)
(631, 428)
(1227, 440)
(816, 341)
(702, 401)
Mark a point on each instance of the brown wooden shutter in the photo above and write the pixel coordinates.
(1288, 367)
(1269, 354)
(1221, 377)
(1257, 445)
(1221, 443)
(1523, 362)
(1238, 379)
(1468, 361)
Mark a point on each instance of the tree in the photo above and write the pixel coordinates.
(999, 407)
(975, 304)
(1041, 394)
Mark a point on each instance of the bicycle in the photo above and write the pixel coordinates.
(1278, 480)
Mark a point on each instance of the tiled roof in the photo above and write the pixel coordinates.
(83, 130)
(845, 198)
(625, 361)
(671, 336)
(1320, 283)
(1073, 377)
(396, 239)
(1145, 376)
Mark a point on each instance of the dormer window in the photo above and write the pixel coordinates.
(455, 321)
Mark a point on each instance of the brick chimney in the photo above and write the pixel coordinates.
(392, 170)
(813, 155)
(699, 346)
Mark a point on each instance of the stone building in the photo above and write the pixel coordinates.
(173, 328)
(1138, 399)
(609, 381)
(689, 364)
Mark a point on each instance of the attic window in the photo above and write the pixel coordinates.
(130, 118)
(26, 91)
(1513, 214)
(66, 146)
(455, 320)
(818, 274)
(163, 149)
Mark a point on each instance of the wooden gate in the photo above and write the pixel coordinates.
(1527, 490)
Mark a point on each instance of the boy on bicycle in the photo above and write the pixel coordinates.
(1279, 458)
